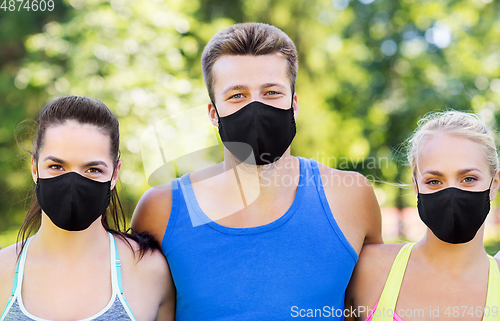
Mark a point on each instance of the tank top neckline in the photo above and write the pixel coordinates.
(116, 283)
(194, 207)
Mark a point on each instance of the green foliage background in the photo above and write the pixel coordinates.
(368, 71)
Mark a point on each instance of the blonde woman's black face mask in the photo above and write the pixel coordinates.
(452, 214)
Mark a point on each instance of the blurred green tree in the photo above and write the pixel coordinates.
(368, 70)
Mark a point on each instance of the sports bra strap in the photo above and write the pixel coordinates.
(492, 296)
(16, 277)
(116, 273)
(16, 285)
(389, 296)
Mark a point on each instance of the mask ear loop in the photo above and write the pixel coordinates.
(491, 182)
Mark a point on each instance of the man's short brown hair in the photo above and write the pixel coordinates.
(248, 39)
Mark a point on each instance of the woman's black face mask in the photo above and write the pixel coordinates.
(452, 214)
(72, 201)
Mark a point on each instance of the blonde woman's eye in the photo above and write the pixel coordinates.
(433, 182)
(469, 179)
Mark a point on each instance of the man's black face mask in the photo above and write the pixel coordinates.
(265, 130)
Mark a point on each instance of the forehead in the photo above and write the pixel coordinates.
(449, 153)
(73, 140)
(250, 70)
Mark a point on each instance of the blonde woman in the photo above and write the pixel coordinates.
(447, 275)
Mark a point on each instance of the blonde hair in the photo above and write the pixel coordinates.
(457, 123)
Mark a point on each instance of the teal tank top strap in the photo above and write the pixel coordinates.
(16, 289)
(116, 276)
(115, 262)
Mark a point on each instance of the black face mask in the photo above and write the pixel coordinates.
(452, 214)
(266, 130)
(72, 201)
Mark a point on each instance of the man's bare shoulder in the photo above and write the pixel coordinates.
(353, 204)
(340, 180)
(153, 211)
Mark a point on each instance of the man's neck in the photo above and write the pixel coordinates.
(241, 195)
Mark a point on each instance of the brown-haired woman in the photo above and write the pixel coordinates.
(80, 265)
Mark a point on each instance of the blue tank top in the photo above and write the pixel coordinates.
(296, 265)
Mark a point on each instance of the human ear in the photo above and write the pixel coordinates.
(495, 185)
(114, 179)
(212, 114)
(34, 169)
(415, 189)
(295, 105)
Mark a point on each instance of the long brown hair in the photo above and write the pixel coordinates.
(85, 111)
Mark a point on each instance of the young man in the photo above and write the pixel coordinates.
(268, 237)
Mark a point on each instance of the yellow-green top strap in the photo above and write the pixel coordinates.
(491, 310)
(389, 296)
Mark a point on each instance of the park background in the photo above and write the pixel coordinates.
(369, 69)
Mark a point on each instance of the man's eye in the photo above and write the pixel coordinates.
(94, 170)
(56, 167)
(237, 96)
(272, 92)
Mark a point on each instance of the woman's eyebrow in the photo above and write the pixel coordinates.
(432, 172)
(54, 159)
(94, 163)
(467, 170)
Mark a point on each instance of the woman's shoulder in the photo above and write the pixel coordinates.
(151, 262)
(8, 261)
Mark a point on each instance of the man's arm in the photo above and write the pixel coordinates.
(153, 212)
(354, 206)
